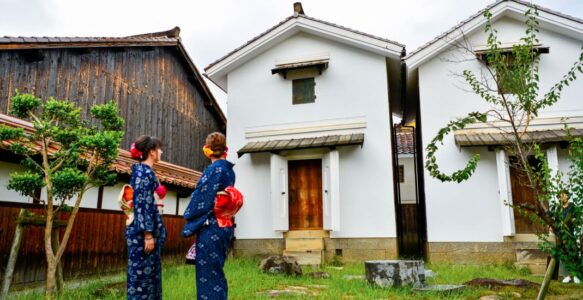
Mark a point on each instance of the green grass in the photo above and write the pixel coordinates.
(246, 281)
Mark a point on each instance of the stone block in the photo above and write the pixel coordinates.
(304, 244)
(395, 273)
(305, 258)
(258, 247)
(359, 255)
(306, 234)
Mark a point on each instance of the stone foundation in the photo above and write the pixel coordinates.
(260, 248)
(520, 252)
(347, 249)
(360, 249)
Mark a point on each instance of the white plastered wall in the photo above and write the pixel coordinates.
(354, 85)
(470, 211)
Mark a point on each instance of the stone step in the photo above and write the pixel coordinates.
(301, 244)
(306, 234)
(305, 257)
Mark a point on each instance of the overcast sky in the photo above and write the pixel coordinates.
(212, 28)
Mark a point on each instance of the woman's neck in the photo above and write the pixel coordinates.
(149, 162)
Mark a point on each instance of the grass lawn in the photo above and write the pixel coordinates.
(247, 282)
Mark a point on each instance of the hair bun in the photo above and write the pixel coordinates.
(216, 141)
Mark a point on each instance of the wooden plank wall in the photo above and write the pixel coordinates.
(97, 244)
(156, 94)
(410, 237)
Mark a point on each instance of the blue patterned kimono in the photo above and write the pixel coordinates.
(144, 278)
(212, 242)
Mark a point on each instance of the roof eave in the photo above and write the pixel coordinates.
(213, 102)
(498, 10)
(218, 70)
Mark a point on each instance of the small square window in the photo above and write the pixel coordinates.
(303, 91)
(401, 174)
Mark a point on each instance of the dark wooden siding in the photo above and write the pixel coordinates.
(156, 94)
(97, 244)
(410, 235)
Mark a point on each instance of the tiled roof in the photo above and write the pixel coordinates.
(302, 143)
(296, 16)
(164, 38)
(481, 12)
(166, 172)
(405, 140)
(543, 130)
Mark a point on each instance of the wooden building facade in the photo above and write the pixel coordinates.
(159, 91)
(151, 77)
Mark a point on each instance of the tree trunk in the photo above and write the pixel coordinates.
(547, 280)
(51, 280)
(55, 245)
(51, 261)
(13, 256)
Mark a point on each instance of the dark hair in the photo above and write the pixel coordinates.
(217, 142)
(145, 143)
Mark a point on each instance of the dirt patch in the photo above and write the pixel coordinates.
(494, 283)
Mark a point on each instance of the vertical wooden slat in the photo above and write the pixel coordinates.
(97, 244)
(174, 108)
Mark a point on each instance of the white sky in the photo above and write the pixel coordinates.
(212, 28)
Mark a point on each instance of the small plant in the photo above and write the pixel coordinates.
(337, 261)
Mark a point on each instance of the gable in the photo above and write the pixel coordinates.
(511, 9)
(218, 70)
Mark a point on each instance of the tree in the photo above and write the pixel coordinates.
(511, 87)
(64, 155)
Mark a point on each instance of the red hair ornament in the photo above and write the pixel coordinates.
(134, 152)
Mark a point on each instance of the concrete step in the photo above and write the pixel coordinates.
(303, 244)
(306, 258)
(306, 234)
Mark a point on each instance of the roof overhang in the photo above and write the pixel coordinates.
(319, 65)
(166, 172)
(277, 145)
(549, 19)
(542, 130)
(482, 52)
(217, 71)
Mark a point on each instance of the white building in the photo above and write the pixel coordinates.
(309, 115)
(469, 222)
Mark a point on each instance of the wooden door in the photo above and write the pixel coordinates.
(523, 193)
(305, 194)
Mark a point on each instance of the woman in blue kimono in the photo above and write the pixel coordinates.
(145, 236)
(212, 243)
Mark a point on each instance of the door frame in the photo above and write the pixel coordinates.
(330, 186)
(321, 193)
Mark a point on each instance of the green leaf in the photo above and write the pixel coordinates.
(68, 182)
(21, 105)
(25, 183)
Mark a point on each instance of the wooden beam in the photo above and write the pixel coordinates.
(177, 202)
(100, 197)
(38, 221)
